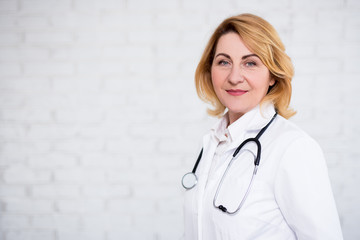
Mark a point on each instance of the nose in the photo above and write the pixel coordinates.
(236, 75)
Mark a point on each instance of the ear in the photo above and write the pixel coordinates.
(272, 82)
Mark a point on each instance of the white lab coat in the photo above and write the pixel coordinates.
(291, 197)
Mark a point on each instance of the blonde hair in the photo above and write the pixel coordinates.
(261, 38)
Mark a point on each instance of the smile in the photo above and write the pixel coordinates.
(236, 92)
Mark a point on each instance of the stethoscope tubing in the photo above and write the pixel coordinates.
(256, 165)
(197, 161)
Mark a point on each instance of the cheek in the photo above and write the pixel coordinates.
(215, 78)
(262, 82)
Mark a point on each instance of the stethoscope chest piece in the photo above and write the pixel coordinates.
(189, 180)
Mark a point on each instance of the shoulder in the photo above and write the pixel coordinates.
(289, 133)
(291, 145)
(296, 149)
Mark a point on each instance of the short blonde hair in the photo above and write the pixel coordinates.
(261, 38)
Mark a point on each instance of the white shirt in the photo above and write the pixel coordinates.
(291, 197)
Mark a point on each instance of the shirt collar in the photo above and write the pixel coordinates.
(253, 120)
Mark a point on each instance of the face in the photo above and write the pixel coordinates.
(239, 77)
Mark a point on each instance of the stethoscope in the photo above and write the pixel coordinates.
(190, 179)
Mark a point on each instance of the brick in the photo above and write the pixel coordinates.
(79, 175)
(103, 68)
(279, 19)
(320, 4)
(86, 52)
(11, 100)
(155, 130)
(29, 115)
(93, 5)
(169, 51)
(332, 16)
(28, 53)
(174, 229)
(49, 38)
(80, 145)
(84, 116)
(29, 206)
(147, 70)
(55, 191)
(157, 4)
(60, 222)
(101, 160)
(352, 33)
(107, 222)
(128, 52)
(313, 66)
(171, 145)
(171, 206)
(74, 20)
(166, 69)
(12, 191)
(8, 6)
(130, 146)
(92, 234)
(30, 234)
(106, 37)
(17, 86)
(15, 152)
(116, 20)
(51, 131)
(35, 22)
(129, 206)
(144, 116)
(322, 34)
(159, 37)
(120, 176)
(48, 69)
(82, 206)
(351, 66)
(131, 235)
(36, 6)
(10, 69)
(106, 191)
(157, 161)
(7, 20)
(51, 160)
(73, 84)
(345, 50)
(22, 174)
(156, 192)
(10, 38)
(193, 5)
(353, 3)
(13, 221)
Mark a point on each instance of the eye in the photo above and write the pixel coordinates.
(250, 64)
(224, 63)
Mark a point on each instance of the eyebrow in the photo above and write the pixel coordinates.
(249, 55)
(243, 57)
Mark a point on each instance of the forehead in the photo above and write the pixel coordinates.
(232, 44)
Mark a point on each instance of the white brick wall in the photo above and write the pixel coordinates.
(99, 118)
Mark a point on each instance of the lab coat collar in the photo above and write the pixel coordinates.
(251, 121)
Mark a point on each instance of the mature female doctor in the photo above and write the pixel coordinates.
(258, 175)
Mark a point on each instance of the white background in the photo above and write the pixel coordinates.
(99, 117)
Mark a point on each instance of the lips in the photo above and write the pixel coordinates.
(236, 92)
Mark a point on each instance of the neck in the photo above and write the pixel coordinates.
(232, 117)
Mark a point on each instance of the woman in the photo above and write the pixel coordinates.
(245, 70)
